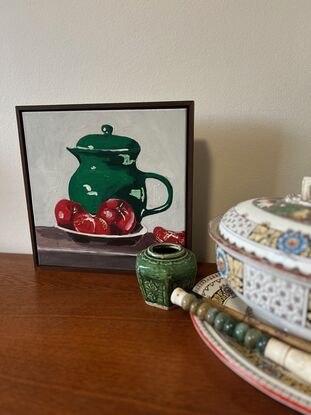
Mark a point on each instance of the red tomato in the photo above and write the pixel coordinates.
(84, 223)
(65, 210)
(119, 215)
(165, 235)
(101, 227)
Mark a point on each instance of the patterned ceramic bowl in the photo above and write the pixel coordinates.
(263, 248)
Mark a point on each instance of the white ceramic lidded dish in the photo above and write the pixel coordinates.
(263, 249)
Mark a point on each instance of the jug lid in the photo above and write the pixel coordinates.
(108, 142)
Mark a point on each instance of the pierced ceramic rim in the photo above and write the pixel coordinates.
(172, 250)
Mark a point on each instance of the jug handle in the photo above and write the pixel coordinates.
(169, 189)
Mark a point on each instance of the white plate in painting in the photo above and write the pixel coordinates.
(263, 374)
(142, 231)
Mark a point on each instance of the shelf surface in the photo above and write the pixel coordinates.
(86, 343)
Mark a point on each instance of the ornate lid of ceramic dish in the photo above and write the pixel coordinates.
(276, 229)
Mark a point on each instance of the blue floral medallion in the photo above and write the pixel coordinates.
(222, 264)
(292, 243)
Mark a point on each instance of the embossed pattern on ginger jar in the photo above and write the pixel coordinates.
(163, 267)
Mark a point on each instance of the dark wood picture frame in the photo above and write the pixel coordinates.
(187, 105)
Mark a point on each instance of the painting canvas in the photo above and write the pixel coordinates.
(104, 181)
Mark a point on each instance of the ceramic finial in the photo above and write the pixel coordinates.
(306, 189)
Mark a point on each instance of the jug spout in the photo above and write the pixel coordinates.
(74, 151)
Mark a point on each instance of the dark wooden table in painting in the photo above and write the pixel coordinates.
(57, 247)
(86, 343)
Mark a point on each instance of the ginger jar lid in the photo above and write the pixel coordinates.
(276, 229)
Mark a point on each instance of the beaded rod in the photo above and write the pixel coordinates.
(243, 318)
(250, 332)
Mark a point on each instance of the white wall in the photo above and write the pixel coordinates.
(246, 63)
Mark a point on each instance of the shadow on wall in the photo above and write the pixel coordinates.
(232, 162)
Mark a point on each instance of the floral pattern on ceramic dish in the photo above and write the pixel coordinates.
(275, 238)
(230, 268)
(280, 207)
(294, 243)
(288, 242)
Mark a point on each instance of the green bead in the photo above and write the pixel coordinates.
(211, 314)
(262, 343)
(186, 301)
(220, 320)
(229, 326)
(195, 305)
(202, 310)
(240, 331)
(251, 337)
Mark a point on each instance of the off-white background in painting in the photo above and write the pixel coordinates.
(160, 133)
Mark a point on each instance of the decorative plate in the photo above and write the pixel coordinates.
(263, 374)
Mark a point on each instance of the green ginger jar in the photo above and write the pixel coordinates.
(161, 268)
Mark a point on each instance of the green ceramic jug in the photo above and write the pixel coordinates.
(108, 170)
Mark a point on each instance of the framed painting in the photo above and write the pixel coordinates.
(104, 181)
